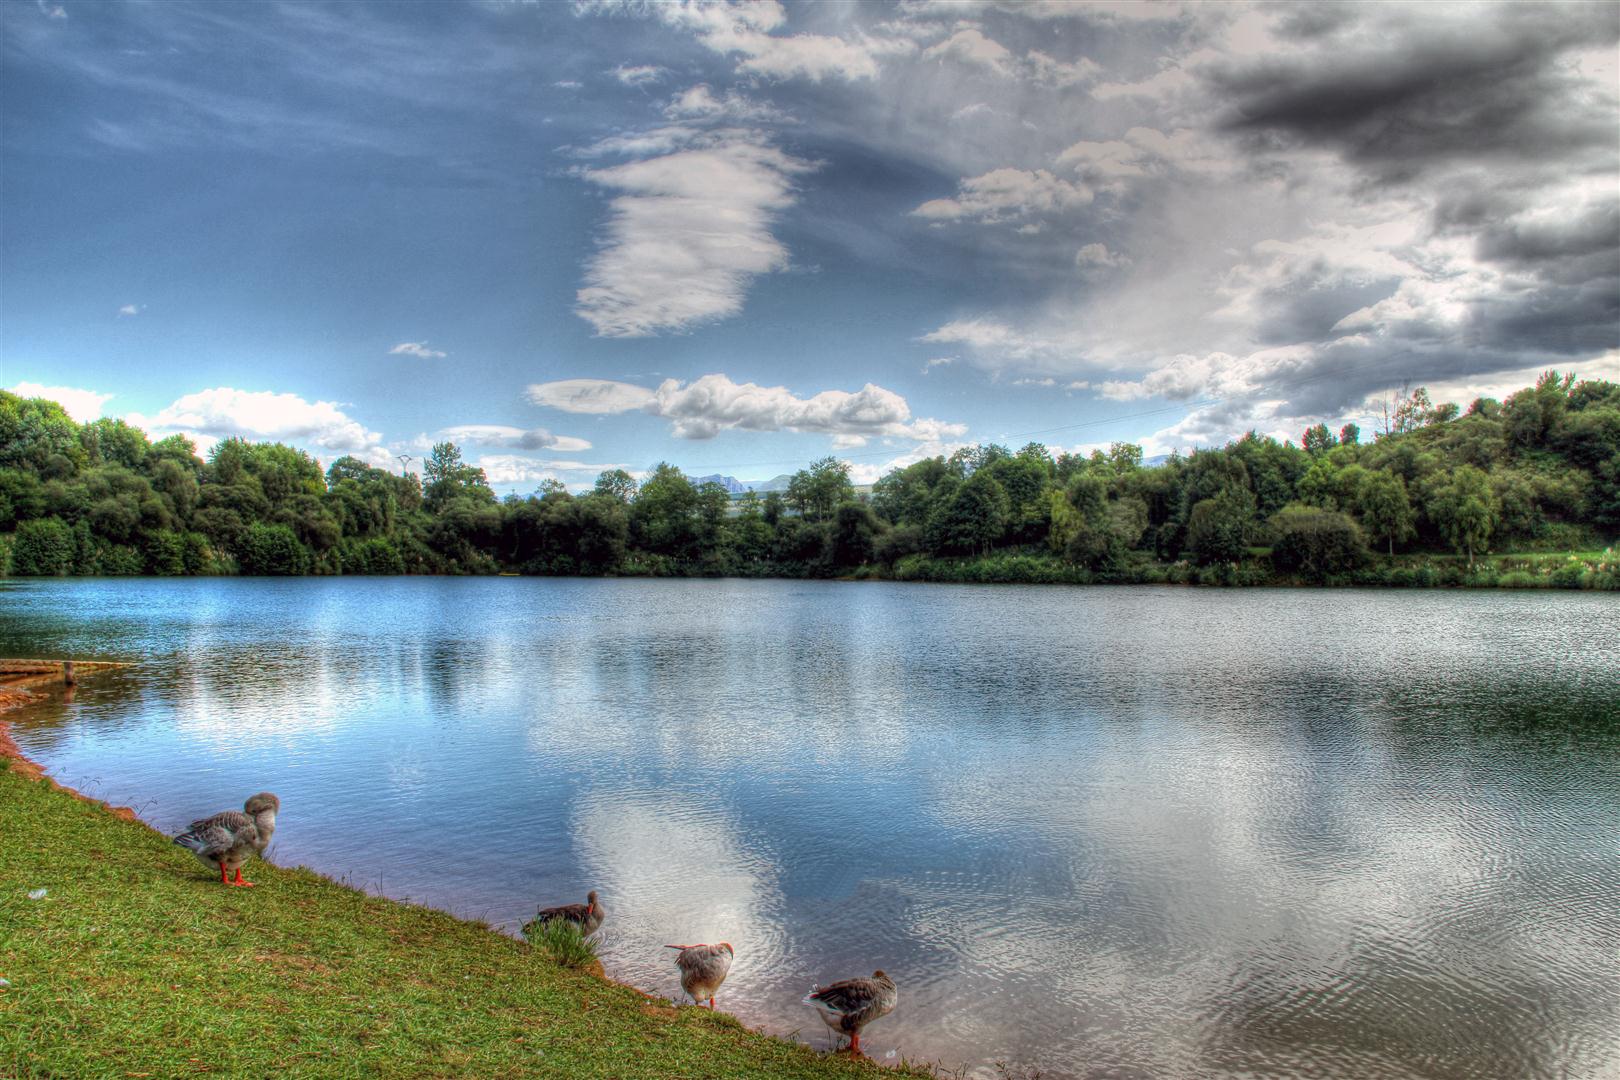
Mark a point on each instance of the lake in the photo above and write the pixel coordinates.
(1106, 832)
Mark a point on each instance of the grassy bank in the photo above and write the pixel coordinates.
(1587, 570)
(136, 963)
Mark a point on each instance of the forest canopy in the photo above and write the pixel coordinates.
(1539, 471)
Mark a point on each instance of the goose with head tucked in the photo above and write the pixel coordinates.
(703, 969)
(587, 916)
(849, 1005)
(227, 839)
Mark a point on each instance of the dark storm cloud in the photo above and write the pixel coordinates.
(1593, 232)
(1497, 90)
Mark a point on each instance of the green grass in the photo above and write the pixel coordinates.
(562, 942)
(138, 963)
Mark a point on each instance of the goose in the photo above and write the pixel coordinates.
(587, 916)
(851, 1004)
(703, 969)
(227, 839)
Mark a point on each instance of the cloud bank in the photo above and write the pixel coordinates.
(706, 406)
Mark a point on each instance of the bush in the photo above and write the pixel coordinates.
(166, 554)
(372, 556)
(272, 550)
(119, 560)
(1568, 576)
(43, 547)
(1316, 544)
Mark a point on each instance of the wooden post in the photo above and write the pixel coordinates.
(67, 672)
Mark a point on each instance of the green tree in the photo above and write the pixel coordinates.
(1218, 528)
(1318, 440)
(815, 492)
(664, 518)
(1465, 508)
(42, 548)
(854, 535)
(1349, 435)
(617, 485)
(973, 519)
(1315, 543)
(1382, 503)
(272, 550)
(40, 435)
(447, 477)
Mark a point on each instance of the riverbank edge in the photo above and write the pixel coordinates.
(1562, 571)
(133, 1008)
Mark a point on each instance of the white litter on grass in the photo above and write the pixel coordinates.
(4, 983)
(37, 894)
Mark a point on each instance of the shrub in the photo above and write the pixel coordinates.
(166, 553)
(272, 550)
(42, 548)
(1315, 544)
(119, 560)
(375, 555)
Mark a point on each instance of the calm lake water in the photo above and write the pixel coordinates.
(1111, 832)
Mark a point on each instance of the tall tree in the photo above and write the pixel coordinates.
(1384, 507)
(1465, 508)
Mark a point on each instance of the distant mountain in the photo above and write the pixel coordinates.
(730, 483)
(738, 487)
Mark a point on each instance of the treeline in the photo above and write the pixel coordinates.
(1540, 471)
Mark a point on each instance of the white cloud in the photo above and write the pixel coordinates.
(1097, 256)
(938, 361)
(82, 405)
(1007, 193)
(866, 472)
(516, 469)
(687, 234)
(222, 412)
(51, 11)
(638, 75)
(699, 103)
(568, 84)
(1216, 373)
(517, 438)
(416, 348)
(704, 407)
(1143, 152)
(745, 30)
(997, 343)
(129, 310)
(973, 111)
(969, 46)
(1053, 72)
(589, 395)
(1124, 11)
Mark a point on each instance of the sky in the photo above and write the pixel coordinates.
(744, 236)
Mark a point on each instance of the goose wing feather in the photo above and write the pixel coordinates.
(705, 962)
(574, 913)
(213, 836)
(849, 996)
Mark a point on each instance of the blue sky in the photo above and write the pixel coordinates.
(740, 237)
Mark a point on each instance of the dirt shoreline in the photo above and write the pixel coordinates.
(18, 690)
